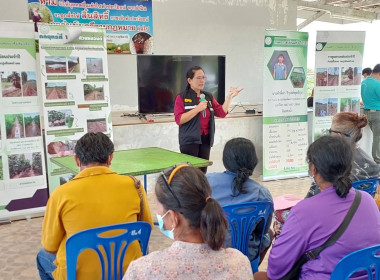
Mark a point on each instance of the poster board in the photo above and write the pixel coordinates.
(285, 130)
(128, 23)
(23, 186)
(338, 71)
(75, 90)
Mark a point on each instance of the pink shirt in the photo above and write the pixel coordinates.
(179, 109)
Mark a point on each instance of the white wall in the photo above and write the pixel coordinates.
(234, 28)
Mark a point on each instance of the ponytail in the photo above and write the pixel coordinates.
(342, 186)
(213, 224)
(242, 175)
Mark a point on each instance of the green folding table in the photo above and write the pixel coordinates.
(141, 161)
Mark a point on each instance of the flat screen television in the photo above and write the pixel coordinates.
(162, 77)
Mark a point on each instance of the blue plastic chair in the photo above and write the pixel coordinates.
(110, 249)
(243, 218)
(364, 260)
(370, 185)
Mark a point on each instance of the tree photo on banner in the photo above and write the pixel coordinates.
(285, 136)
(338, 69)
(128, 23)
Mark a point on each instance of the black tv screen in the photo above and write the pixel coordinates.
(162, 77)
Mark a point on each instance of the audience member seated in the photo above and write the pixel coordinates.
(312, 221)
(235, 186)
(95, 197)
(349, 126)
(187, 214)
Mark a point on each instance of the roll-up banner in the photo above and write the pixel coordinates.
(75, 90)
(285, 132)
(23, 187)
(338, 69)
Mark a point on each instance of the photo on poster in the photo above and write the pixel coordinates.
(333, 76)
(345, 104)
(141, 43)
(332, 107)
(25, 165)
(93, 92)
(355, 103)
(14, 126)
(94, 65)
(321, 77)
(298, 77)
(97, 125)
(65, 178)
(280, 65)
(11, 84)
(55, 64)
(39, 13)
(347, 76)
(73, 64)
(29, 83)
(61, 148)
(321, 107)
(32, 124)
(357, 75)
(56, 90)
(60, 118)
(1, 169)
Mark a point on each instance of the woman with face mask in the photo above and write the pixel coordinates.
(187, 214)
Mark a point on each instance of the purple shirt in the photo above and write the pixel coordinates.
(311, 222)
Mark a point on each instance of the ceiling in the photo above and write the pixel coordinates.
(343, 11)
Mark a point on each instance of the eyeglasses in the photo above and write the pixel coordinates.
(335, 131)
(170, 189)
(199, 78)
(172, 171)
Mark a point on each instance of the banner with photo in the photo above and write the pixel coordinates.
(128, 23)
(23, 187)
(285, 136)
(75, 90)
(338, 69)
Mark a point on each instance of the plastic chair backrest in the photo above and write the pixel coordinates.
(371, 185)
(111, 246)
(363, 259)
(243, 218)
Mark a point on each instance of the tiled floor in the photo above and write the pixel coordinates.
(20, 240)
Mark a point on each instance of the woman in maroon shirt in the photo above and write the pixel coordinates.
(194, 112)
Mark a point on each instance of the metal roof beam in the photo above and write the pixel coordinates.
(310, 20)
(340, 12)
(365, 4)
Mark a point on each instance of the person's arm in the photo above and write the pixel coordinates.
(234, 91)
(147, 217)
(181, 116)
(52, 228)
(261, 275)
(285, 72)
(290, 245)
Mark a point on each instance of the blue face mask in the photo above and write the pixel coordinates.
(312, 178)
(168, 233)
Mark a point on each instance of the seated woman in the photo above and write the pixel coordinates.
(349, 126)
(187, 214)
(235, 186)
(312, 221)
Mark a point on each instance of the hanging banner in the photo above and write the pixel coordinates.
(285, 136)
(75, 90)
(338, 69)
(128, 23)
(23, 187)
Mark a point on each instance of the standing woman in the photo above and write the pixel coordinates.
(196, 118)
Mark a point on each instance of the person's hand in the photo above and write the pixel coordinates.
(202, 106)
(234, 91)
